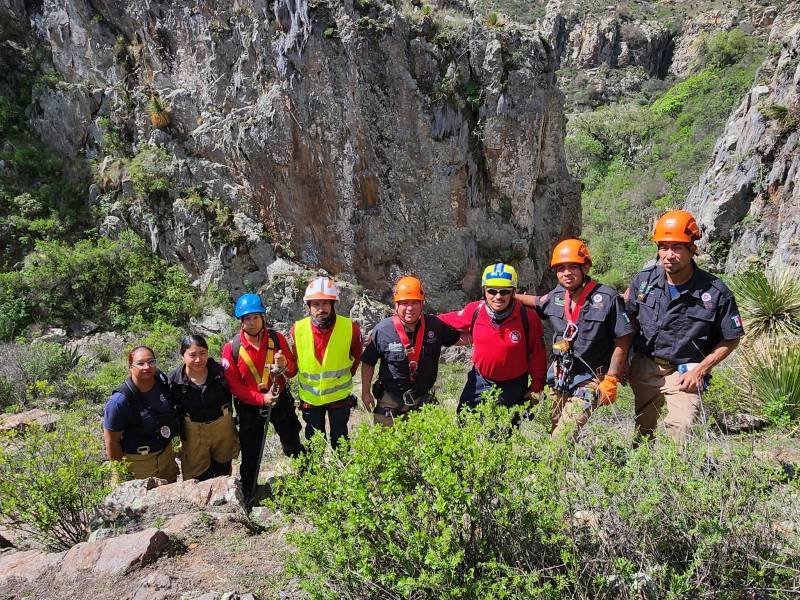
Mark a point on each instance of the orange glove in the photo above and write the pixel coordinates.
(607, 390)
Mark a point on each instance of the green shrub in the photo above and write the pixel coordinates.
(437, 507)
(117, 282)
(672, 102)
(725, 48)
(52, 482)
(769, 303)
(150, 170)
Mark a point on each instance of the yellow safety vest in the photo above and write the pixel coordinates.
(331, 380)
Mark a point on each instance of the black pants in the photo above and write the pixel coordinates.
(512, 392)
(337, 417)
(251, 435)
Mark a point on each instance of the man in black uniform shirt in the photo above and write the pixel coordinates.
(408, 345)
(592, 337)
(688, 323)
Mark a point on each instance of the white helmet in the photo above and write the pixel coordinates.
(321, 288)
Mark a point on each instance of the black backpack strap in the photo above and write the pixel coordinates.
(475, 317)
(236, 344)
(273, 335)
(523, 314)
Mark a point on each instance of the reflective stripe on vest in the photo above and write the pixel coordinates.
(331, 380)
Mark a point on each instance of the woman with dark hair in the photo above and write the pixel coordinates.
(201, 393)
(140, 420)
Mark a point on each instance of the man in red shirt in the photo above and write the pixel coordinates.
(257, 363)
(507, 342)
(328, 349)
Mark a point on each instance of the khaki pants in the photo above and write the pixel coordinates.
(161, 465)
(216, 440)
(653, 386)
(569, 414)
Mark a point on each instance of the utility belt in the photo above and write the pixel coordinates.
(409, 403)
(225, 409)
(409, 400)
(147, 450)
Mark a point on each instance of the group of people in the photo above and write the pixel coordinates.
(663, 335)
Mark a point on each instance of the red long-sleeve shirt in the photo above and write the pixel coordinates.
(238, 375)
(498, 351)
(321, 339)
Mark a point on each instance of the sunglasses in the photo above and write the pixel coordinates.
(141, 364)
(500, 292)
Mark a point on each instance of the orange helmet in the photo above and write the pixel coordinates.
(321, 288)
(408, 288)
(677, 226)
(570, 251)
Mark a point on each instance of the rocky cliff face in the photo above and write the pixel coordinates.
(748, 202)
(366, 139)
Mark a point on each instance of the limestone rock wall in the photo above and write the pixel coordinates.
(748, 201)
(364, 139)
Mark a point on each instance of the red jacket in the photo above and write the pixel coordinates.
(498, 352)
(239, 378)
(321, 342)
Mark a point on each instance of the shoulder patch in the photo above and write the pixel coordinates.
(225, 364)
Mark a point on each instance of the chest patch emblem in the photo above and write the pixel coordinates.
(597, 298)
(394, 347)
(558, 301)
(706, 297)
(515, 336)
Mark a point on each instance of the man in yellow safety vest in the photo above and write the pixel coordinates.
(328, 349)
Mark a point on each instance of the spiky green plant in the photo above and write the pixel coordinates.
(770, 304)
(494, 19)
(771, 368)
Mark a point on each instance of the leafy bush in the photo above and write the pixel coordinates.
(615, 131)
(52, 482)
(672, 102)
(150, 170)
(435, 508)
(119, 282)
(725, 47)
(770, 303)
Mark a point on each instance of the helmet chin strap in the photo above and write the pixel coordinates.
(258, 333)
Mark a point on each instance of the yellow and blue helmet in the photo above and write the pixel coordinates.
(499, 275)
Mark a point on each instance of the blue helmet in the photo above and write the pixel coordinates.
(248, 304)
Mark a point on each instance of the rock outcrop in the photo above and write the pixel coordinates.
(355, 137)
(748, 201)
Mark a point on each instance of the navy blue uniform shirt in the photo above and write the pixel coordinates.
(384, 344)
(140, 428)
(602, 319)
(683, 329)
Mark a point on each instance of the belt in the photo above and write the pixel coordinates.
(662, 362)
(145, 450)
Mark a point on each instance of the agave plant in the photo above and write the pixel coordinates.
(770, 304)
(771, 368)
(159, 112)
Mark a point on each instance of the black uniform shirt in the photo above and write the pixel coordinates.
(201, 402)
(687, 328)
(384, 344)
(602, 319)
